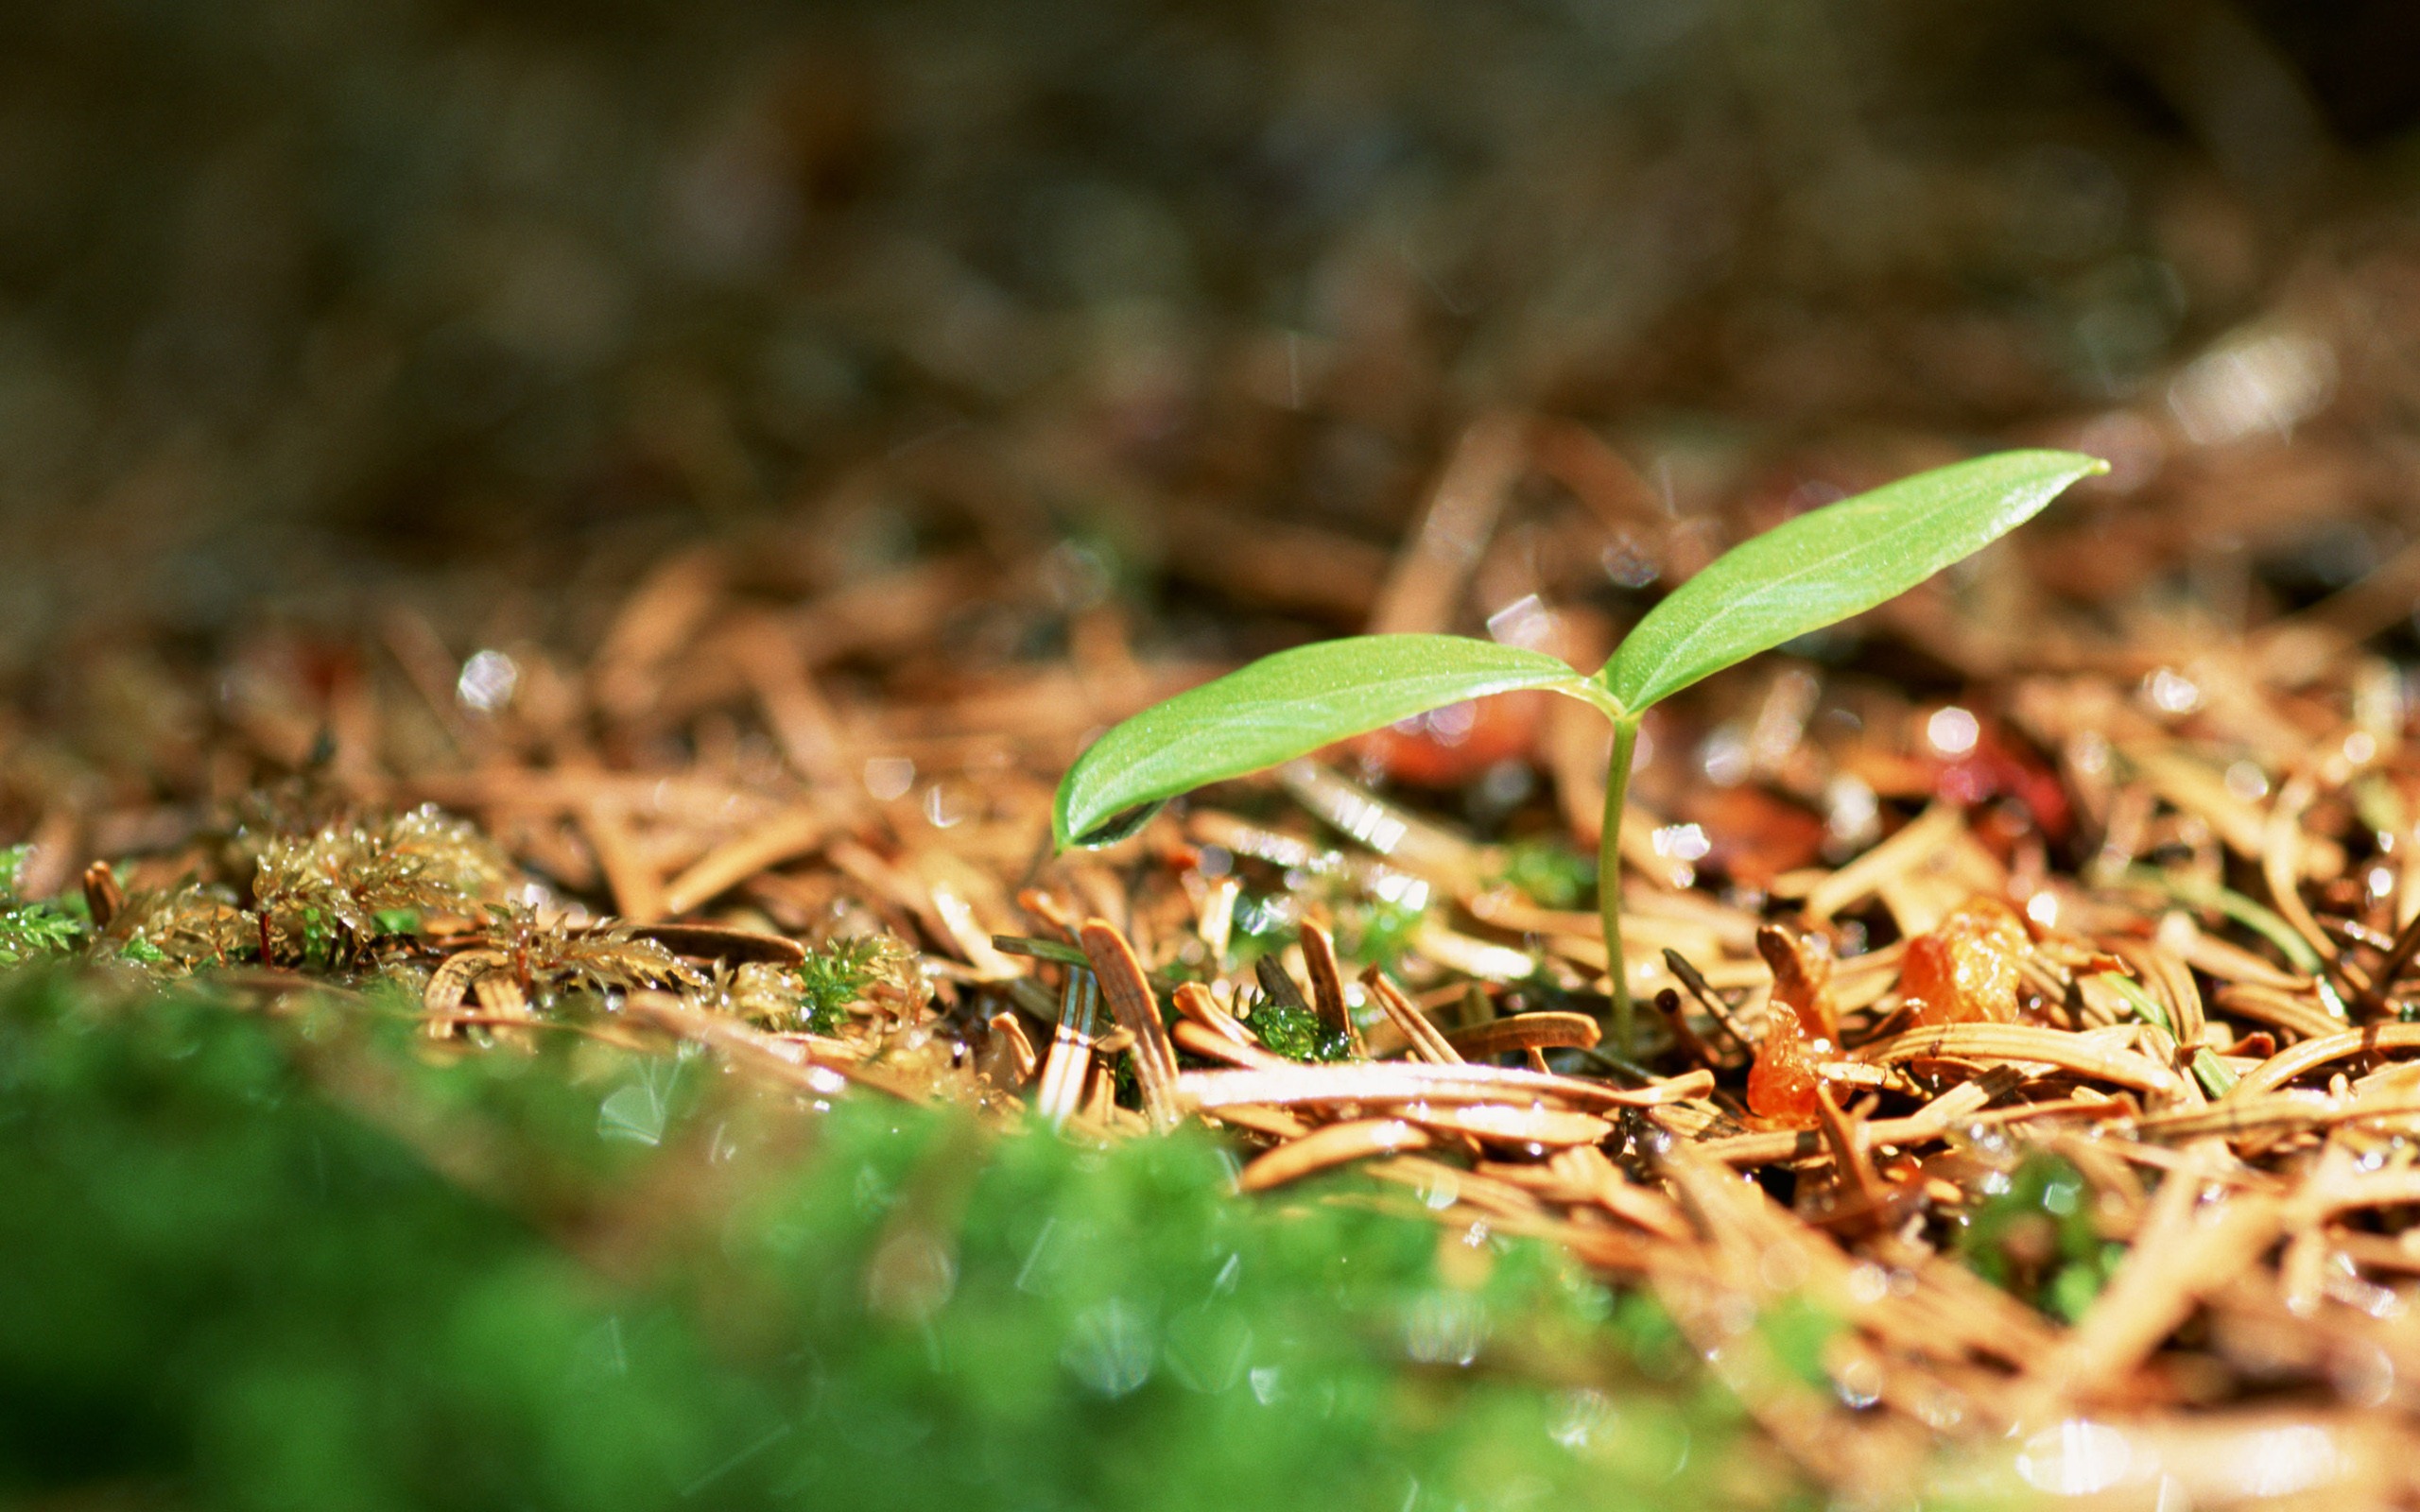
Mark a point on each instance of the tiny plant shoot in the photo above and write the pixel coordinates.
(1813, 571)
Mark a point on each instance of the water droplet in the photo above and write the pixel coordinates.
(911, 1276)
(1229, 1274)
(1446, 1328)
(2278, 1461)
(1858, 1383)
(888, 777)
(487, 681)
(1726, 757)
(1868, 1283)
(1440, 1191)
(1682, 842)
(1952, 731)
(1852, 813)
(1629, 563)
(2079, 1458)
(637, 1111)
(2246, 780)
(1110, 1349)
(2171, 691)
(1207, 1349)
(1525, 622)
(1580, 1418)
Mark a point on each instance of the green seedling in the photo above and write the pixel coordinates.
(1813, 571)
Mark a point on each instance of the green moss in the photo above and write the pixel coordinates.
(31, 931)
(2037, 1240)
(1296, 1032)
(842, 972)
(227, 1290)
(1287, 1024)
(1552, 875)
(1370, 931)
(1375, 932)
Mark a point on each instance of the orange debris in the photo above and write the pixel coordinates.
(1801, 1027)
(1965, 969)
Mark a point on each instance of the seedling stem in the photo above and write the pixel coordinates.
(1609, 877)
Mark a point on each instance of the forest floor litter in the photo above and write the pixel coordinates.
(2033, 964)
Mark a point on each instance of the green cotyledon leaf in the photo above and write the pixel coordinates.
(1830, 563)
(1281, 707)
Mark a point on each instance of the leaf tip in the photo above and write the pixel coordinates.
(2047, 460)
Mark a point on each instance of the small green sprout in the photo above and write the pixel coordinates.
(842, 972)
(2037, 1238)
(1816, 570)
(1288, 1026)
(2209, 1069)
(30, 930)
(1295, 1032)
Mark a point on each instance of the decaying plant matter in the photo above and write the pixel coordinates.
(335, 893)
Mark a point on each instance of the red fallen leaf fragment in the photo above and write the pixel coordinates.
(1754, 835)
(1998, 765)
(1450, 747)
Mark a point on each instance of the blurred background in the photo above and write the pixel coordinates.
(335, 331)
